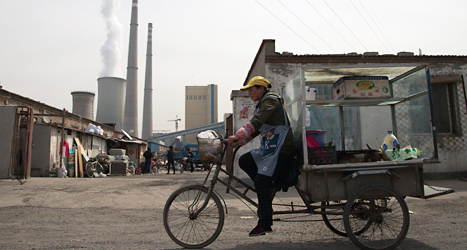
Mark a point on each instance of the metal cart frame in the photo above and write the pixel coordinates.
(362, 201)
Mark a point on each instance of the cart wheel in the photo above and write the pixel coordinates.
(186, 229)
(381, 212)
(90, 169)
(333, 217)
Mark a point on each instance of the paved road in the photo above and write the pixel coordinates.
(125, 212)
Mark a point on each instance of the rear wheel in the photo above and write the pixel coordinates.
(186, 228)
(382, 212)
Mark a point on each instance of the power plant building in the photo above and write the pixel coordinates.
(110, 104)
(83, 104)
(200, 108)
(130, 123)
(147, 108)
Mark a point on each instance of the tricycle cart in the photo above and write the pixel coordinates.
(360, 200)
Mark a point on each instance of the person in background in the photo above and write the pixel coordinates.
(268, 163)
(170, 159)
(147, 161)
(190, 156)
(155, 167)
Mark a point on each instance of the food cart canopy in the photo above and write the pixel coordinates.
(330, 74)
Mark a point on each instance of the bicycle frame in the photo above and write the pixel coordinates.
(215, 178)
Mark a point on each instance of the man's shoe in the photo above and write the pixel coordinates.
(257, 231)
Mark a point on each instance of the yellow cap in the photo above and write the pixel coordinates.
(257, 80)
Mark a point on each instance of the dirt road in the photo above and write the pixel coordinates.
(126, 213)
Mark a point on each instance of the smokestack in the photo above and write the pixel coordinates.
(111, 92)
(83, 104)
(147, 106)
(130, 121)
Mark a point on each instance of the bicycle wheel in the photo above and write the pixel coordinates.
(333, 217)
(387, 213)
(90, 169)
(183, 226)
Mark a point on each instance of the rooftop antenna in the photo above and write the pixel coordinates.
(176, 122)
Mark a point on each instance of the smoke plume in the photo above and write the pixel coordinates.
(111, 51)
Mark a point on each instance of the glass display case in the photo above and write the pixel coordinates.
(361, 123)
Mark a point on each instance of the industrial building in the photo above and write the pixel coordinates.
(200, 108)
(83, 104)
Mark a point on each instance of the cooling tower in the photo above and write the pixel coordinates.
(83, 104)
(130, 122)
(147, 107)
(110, 101)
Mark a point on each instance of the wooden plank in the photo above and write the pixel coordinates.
(80, 155)
(76, 162)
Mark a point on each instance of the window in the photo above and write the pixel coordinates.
(195, 97)
(204, 97)
(446, 111)
(191, 97)
(187, 97)
(446, 108)
(199, 97)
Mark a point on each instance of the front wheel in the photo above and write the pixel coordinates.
(90, 169)
(186, 228)
(382, 212)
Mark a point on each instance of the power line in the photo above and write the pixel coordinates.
(288, 27)
(346, 26)
(306, 26)
(343, 38)
(377, 26)
(368, 25)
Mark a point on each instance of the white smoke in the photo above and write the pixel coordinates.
(111, 51)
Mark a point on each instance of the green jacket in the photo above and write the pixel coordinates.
(271, 112)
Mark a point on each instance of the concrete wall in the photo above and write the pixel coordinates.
(375, 124)
(452, 149)
(241, 101)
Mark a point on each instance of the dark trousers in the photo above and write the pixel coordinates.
(191, 164)
(264, 184)
(168, 166)
(147, 167)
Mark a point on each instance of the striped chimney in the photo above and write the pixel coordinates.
(130, 120)
(147, 108)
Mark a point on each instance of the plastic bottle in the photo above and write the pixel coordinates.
(390, 142)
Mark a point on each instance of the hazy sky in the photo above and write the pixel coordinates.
(49, 48)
